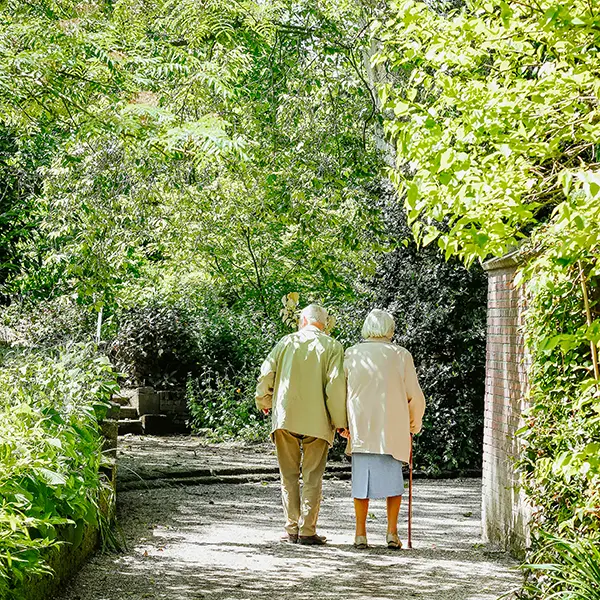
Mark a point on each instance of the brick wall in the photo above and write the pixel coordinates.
(505, 512)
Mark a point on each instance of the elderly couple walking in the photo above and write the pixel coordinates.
(371, 396)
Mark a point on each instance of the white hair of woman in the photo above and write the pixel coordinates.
(379, 324)
(313, 314)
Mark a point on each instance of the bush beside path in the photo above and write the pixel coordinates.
(220, 542)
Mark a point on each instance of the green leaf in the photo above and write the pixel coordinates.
(52, 478)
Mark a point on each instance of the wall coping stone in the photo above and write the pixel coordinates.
(511, 259)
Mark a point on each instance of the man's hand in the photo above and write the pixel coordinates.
(344, 432)
(266, 411)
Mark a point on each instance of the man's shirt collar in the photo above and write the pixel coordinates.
(312, 328)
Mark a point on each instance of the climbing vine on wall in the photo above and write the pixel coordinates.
(560, 461)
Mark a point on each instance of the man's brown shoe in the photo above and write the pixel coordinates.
(292, 538)
(312, 540)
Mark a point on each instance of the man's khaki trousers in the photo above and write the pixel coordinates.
(295, 452)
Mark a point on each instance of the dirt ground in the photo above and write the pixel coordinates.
(221, 542)
(151, 457)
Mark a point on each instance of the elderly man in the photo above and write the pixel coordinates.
(303, 382)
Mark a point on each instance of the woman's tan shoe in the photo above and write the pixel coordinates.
(360, 542)
(393, 541)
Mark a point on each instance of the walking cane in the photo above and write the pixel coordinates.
(410, 474)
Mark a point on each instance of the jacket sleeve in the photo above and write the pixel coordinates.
(416, 399)
(335, 388)
(266, 379)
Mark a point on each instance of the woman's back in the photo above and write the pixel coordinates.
(385, 402)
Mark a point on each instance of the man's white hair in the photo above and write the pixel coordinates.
(313, 313)
(378, 324)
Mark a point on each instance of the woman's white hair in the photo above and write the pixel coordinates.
(313, 313)
(378, 324)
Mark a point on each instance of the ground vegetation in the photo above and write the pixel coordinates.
(51, 484)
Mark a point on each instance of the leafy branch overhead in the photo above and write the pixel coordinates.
(230, 134)
(496, 104)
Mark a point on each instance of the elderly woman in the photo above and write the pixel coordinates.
(385, 406)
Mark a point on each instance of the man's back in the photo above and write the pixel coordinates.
(303, 381)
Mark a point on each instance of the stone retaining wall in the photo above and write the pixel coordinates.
(173, 404)
(80, 542)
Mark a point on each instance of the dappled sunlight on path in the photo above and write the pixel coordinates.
(222, 542)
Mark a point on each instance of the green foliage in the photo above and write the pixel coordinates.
(494, 112)
(19, 159)
(223, 403)
(577, 575)
(50, 453)
(47, 323)
(156, 344)
(231, 346)
(492, 104)
(188, 338)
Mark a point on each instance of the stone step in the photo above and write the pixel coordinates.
(156, 424)
(128, 412)
(122, 400)
(113, 411)
(130, 426)
(140, 483)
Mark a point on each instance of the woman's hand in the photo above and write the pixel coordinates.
(345, 433)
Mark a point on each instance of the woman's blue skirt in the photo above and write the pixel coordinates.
(376, 476)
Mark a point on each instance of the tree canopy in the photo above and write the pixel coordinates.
(495, 116)
(233, 139)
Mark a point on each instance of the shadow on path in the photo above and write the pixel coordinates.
(220, 542)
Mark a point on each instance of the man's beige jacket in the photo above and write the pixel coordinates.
(302, 381)
(385, 401)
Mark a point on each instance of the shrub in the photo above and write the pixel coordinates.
(221, 397)
(440, 312)
(195, 341)
(163, 342)
(48, 323)
(156, 344)
(50, 452)
(224, 403)
(576, 573)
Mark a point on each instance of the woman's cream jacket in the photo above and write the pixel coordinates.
(385, 402)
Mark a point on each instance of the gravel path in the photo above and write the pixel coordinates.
(151, 457)
(221, 542)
